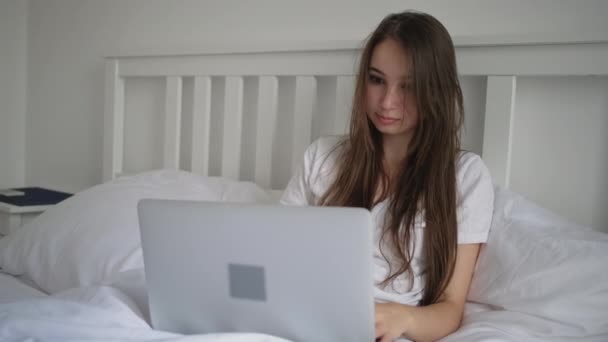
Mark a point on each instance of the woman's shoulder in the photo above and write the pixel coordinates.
(326, 144)
(470, 163)
(473, 177)
(322, 161)
(323, 149)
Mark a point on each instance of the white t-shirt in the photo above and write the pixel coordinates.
(474, 212)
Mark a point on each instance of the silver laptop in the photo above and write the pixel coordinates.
(299, 273)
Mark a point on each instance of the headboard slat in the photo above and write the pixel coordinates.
(268, 93)
(201, 125)
(114, 120)
(173, 116)
(304, 104)
(498, 127)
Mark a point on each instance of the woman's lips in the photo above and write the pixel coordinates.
(386, 120)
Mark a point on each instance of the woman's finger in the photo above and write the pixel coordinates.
(387, 338)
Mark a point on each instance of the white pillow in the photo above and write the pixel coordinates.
(538, 263)
(95, 233)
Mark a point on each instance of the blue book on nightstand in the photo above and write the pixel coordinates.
(25, 197)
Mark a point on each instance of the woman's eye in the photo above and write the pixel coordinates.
(375, 79)
(407, 86)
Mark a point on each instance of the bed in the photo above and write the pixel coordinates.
(232, 125)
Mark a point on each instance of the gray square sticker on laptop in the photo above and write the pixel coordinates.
(247, 282)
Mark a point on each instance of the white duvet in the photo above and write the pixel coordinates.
(539, 278)
(105, 313)
(91, 314)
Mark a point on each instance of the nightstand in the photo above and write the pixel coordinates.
(12, 217)
(20, 205)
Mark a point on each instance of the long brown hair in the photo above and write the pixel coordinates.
(426, 182)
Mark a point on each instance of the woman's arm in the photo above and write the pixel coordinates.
(432, 322)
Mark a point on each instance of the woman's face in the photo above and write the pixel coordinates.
(390, 102)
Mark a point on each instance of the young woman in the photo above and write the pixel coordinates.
(431, 202)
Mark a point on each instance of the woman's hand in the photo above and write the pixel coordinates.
(392, 321)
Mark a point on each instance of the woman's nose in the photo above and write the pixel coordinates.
(392, 98)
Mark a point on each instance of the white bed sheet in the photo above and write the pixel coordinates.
(486, 323)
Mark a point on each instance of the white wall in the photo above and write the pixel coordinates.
(13, 77)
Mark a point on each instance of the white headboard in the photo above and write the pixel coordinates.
(249, 114)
